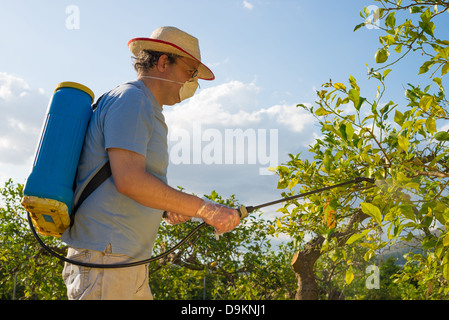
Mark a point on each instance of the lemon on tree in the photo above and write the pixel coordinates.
(381, 55)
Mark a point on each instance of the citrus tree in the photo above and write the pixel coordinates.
(402, 146)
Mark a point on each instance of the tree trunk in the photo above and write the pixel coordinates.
(303, 261)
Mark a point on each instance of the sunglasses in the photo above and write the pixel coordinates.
(192, 70)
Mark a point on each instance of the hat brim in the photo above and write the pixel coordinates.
(138, 44)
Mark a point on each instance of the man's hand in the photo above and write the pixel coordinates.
(173, 218)
(222, 218)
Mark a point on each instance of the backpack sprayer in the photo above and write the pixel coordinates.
(48, 193)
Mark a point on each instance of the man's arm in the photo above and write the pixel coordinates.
(132, 180)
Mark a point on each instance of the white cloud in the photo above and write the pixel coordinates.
(290, 116)
(445, 127)
(22, 112)
(235, 104)
(12, 86)
(229, 104)
(213, 65)
(199, 130)
(202, 123)
(248, 5)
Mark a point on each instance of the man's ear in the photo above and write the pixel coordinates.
(162, 63)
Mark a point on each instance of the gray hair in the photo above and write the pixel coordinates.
(147, 59)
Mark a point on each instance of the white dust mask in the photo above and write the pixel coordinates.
(187, 90)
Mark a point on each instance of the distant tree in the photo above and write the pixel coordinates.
(27, 272)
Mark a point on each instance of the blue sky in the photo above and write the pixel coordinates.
(286, 42)
(268, 56)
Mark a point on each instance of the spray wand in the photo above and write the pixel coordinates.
(245, 211)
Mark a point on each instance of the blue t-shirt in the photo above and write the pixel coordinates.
(127, 117)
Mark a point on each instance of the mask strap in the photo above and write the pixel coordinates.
(163, 79)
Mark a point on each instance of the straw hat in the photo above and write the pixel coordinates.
(175, 41)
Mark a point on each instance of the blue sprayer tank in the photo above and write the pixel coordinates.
(48, 193)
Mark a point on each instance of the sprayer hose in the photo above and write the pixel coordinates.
(110, 266)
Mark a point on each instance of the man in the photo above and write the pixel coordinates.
(118, 222)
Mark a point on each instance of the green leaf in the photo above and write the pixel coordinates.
(349, 275)
(353, 82)
(340, 86)
(322, 112)
(425, 102)
(399, 117)
(361, 101)
(445, 270)
(439, 82)
(428, 27)
(357, 236)
(445, 69)
(446, 240)
(431, 125)
(403, 143)
(389, 40)
(436, 159)
(407, 212)
(390, 20)
(425, 67)
(293, 182)
(426, 15)
(428, 243)
(415, 10)
(354, 96)
(386, 72)
(327, 162)
(349, 131)
(357, 27)
(442, 136)
(372, 211)
(278, 223)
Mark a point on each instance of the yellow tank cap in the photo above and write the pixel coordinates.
(69, 84)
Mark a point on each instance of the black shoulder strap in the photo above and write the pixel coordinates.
(94, 106)
(100, 177)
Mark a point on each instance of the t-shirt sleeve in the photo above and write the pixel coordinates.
(128, 123)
